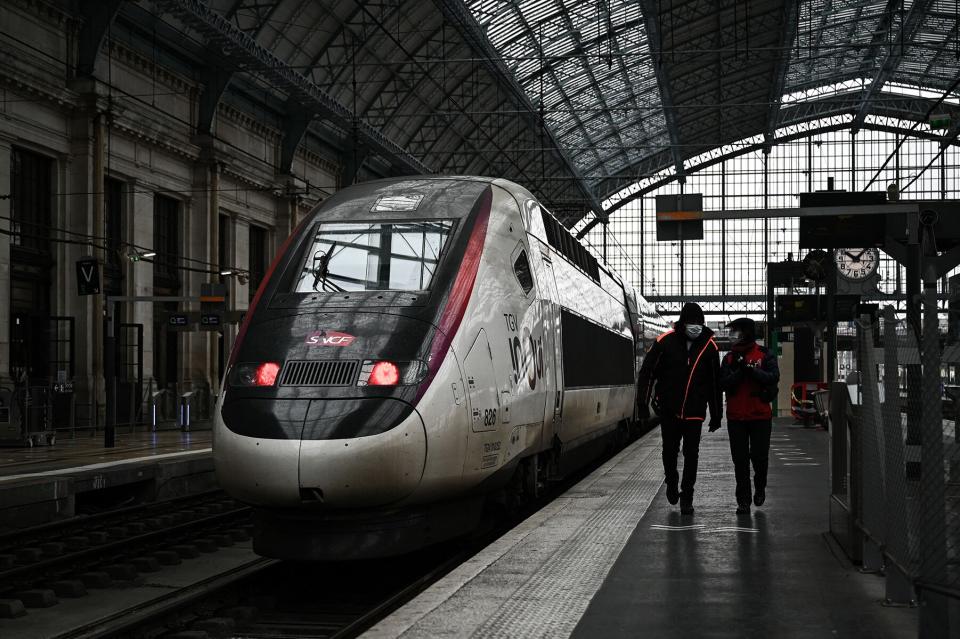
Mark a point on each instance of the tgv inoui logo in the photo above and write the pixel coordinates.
(329, 338)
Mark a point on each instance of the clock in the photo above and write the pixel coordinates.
(856, 264)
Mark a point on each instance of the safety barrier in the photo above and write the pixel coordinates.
(895, 468)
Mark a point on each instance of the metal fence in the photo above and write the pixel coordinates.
(895, 464)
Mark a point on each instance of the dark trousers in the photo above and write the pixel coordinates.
(749, 442)
(674, 432)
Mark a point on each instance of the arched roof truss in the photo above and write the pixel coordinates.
(578, 100)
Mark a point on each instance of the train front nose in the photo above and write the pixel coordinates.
(370, 470)
(319, 409)
(341, 453)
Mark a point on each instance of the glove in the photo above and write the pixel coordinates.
(714, 424)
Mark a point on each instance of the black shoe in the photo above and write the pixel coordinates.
(759, 496)
(686, 506)
(743, 508)
(673, 494)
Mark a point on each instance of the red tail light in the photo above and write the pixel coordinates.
(267, 374)
(248, 375)
(384, 374)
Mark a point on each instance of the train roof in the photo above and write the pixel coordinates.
(418, 196)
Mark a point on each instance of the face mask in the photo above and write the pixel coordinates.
(693, 330)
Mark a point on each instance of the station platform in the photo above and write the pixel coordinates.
(43, 484)
(612, 558)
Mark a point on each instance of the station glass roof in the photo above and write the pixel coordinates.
(579, 100)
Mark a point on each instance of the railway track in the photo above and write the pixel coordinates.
(76, 557)
(261, 598)
(270, 599)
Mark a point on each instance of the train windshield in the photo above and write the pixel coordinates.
(374, 256)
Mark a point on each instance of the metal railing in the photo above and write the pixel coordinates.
(895, 467)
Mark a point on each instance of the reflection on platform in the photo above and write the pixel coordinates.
(85, 450)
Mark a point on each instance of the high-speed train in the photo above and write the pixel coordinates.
(417, 346)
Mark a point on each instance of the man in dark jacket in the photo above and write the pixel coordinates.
(749, 375)
(682, 371)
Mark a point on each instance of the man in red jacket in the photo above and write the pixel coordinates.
(681, 370)
(749, 376)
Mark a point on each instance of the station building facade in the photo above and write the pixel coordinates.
(110, 165)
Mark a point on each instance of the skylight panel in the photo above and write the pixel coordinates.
(536, 10)
(570, 38)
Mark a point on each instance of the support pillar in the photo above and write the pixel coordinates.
(83, 213)
(140, 274)
(934, 611)
(213, 250)
(5, 269)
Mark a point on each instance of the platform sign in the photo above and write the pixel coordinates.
(210, 321)
(213, 305)
(843, 230)
(679, 217)
(88, 276)
(179, 322)
(798, 309)
(940, 121)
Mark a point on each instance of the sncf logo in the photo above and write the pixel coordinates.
(329, 338)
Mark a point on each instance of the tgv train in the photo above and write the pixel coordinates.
(417, 346)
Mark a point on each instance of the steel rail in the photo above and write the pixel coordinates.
(143, 613)
(53, 529)
(68, 562)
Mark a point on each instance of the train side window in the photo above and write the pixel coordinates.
(521, 267)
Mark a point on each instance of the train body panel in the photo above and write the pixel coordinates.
(422, 341)
(502, 319)
(364, 472)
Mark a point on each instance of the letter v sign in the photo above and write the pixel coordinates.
(88, 276)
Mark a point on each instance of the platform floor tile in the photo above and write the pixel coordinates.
(538, 579)
(774, 573)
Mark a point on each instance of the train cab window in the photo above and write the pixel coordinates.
(374, 256)
(521, 267)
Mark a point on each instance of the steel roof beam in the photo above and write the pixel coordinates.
(593, 83)
(949, 138)
(552, 72)
(243, 48)
(908, 28)
(97, 18)
(295, 127)
(412, 56)
(215, 81)
(788, 34)
(458, 14)
(655, 42)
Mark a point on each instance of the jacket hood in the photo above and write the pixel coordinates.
(691, 313)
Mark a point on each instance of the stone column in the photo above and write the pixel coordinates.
(82, 212)
(241, 253)
(5, 186)
(233, 301)
(139, 275)
(193, 362)
(213, 251)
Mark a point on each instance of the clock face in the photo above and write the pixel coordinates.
(857, 264)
